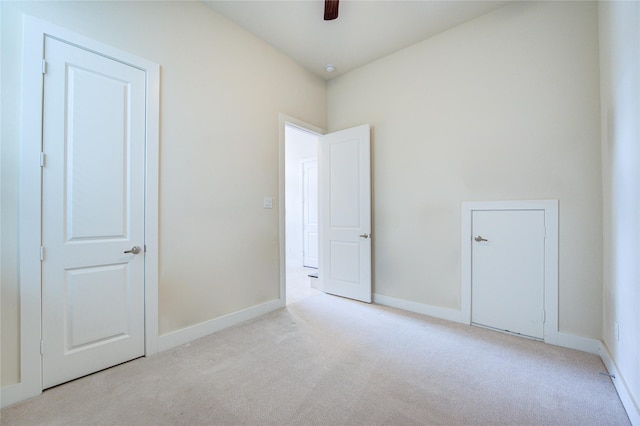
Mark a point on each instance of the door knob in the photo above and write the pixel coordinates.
(134, 250)
(365, 235)
(479, 238)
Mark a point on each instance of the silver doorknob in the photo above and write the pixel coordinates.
(478, 238)
(365, 235)
(134, 250)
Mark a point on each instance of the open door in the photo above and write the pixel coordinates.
(345, 213)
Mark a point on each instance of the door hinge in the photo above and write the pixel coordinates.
(42, 159)
(44, 66)
(41, 253)
(544, 316)
(41, 347)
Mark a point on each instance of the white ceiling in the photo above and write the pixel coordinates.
(365, 30)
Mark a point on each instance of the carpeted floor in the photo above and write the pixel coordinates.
(325, 360)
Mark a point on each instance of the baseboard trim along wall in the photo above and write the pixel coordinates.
(630, 404)
(12, 394)
(572, 341)
(189, 334)
(565, 340)
(420, 308)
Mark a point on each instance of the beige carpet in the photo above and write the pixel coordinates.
(330, 361)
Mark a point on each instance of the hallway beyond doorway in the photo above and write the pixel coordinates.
(299, 284)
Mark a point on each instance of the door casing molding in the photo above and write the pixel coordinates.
(550, 208)
(34, 31)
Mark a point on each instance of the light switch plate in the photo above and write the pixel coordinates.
(267, 203)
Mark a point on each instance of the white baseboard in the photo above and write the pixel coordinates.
(572, 341)
(186, 335)
(420, 308)
(18, 392)
(565, 340)
(630, 404)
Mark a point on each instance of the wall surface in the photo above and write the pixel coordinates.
(221, 92)
(620, 61)
(504, 107)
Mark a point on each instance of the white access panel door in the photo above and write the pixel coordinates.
(310, 213)
(507, 287)
(345, 218)
(93, 212)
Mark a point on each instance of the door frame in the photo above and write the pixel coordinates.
(550, 208)
(34, 31)
(284, 120)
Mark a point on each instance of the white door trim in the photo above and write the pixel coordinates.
(283, 120)
(550, 207)
(31, 189)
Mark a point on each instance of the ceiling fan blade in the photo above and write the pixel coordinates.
(330, 9)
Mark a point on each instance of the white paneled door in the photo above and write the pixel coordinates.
(345, 218)
(310, 213)
(508, 270)
(93, 213)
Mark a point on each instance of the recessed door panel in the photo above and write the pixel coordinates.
(96, 153)
(97, 306)
(344, 179)
(345, 262)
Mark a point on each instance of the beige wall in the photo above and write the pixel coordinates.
(620, 59)
(504, 107)
(221, 92)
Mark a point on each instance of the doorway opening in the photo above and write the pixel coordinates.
(301, 213)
